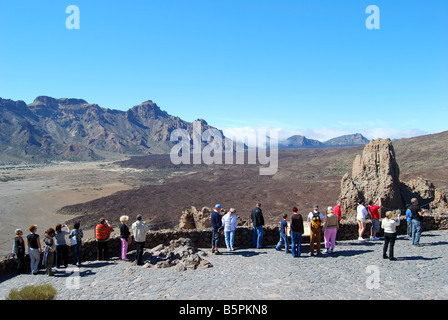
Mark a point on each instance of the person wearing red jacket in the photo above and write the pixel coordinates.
(102, 233)
(337, 210)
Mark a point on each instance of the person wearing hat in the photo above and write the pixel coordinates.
(216, 228)
(139, 229)
(315, 219)
(330, 228)
(258, 223)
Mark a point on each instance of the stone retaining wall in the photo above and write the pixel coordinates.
(243, 238)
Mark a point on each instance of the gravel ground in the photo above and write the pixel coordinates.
(356, 270)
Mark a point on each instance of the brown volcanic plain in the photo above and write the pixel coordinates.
(305, 177)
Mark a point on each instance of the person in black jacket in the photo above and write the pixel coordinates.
(258, 223)
(216, 228)
(124, 237)
(19, 250)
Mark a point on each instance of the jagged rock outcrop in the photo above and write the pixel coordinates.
(375, 174)
(181, 254)
(426, 193)
(196, 219)
(200, 219)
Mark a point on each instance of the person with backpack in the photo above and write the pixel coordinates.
(315, 219)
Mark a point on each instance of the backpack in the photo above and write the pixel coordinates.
(315, 221)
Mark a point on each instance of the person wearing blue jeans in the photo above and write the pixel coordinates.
(417, 218)
(258, 223)
(416, 232)
(229, 222)
(283, 237)
(296, 232)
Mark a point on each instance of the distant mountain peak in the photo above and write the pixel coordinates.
(348, 140)
(299, 141)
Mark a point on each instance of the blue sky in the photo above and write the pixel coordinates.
(305, 67)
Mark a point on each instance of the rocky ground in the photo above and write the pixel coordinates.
(355, 271)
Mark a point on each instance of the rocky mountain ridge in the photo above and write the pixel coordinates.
(73, 129)
(299, 141)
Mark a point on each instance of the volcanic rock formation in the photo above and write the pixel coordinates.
(375, 174)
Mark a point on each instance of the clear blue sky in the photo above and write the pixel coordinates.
(308, 67)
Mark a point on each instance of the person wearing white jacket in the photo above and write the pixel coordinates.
(390, 234)
(139, 229)
(229, 223)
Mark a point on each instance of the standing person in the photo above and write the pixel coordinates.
(409, 220)
(417, 218)
(283, 236)
(315, 219)
(19, 250)
(229, 223)
(139, 229)
(330, 228)
(375, 217)
(124, 237)
(296, 232)
(34, 248)
(337, 210)
(390, 234)
(61, 245)
(76, 236)
(361, 216)
(50, 248)
(102, 234)
(258, 223)
(216, 228)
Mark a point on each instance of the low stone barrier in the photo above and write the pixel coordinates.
(202, 239)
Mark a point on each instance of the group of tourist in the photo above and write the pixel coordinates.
(55, 252)
(293, 229)
(328, 224)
